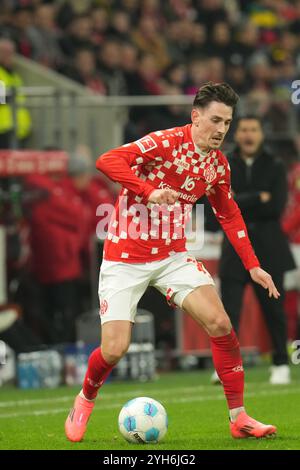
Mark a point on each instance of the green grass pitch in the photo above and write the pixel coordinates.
(198, 418)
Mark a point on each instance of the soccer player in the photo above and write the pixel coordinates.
(145, 245)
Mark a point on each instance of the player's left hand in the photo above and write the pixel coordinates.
(265, 280)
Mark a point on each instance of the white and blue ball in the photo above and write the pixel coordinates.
(143, 420)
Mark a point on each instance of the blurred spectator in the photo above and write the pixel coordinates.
(44, 37)
(129, 65)
(260, 72)
(266, 16)
(55, 285)
(215, 69)
(197, 73)
(78, 36)
(146, 81)
(12, 81)
(246, 42)
(56, 237)
(148, 39)
(238, 78)
(294, 23)
(258, 100)
(109, 66)
(187, 41)
(85, 72)
(131, 7)
(149, 75)
(165, 117)
(287, 48)
(64, 14)
(180, 35)
(100, 24)
(220, 44)
(176, 74)
(92, 191)
(211, 12)
(198, 41)
(120, 26)
(181, 9)
(5, 20)
(152, 9)
(21, 22)
(77, 6)
(259, 187)
(286, 73)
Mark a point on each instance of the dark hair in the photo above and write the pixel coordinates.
(248, 117)
(221, 92)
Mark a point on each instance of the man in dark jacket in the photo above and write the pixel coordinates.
(259, 186)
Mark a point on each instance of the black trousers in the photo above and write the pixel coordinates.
(21, 339)
(61, 306)
(232, 292)
(6, 140)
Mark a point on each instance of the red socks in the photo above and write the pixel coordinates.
(228, 364)
(97, 372)
(226, 357)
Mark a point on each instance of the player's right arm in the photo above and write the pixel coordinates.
(117, 165)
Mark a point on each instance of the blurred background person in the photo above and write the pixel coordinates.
(259, 186)
(56, 234)
(18, 30)
(109, 67)
(84, 71)
(12, 82)
(44, 37)
(91, 191)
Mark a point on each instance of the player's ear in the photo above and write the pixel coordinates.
(195, 116)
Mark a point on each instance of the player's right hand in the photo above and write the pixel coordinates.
(163, 196)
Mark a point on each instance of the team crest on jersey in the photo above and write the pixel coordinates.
(209, 174)
(146, 144)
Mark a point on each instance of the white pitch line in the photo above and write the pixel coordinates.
(112, 396)
(103, 396)
(190, 399)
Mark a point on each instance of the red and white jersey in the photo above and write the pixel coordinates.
(140, 231)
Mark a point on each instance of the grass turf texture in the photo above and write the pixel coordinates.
(198, 418)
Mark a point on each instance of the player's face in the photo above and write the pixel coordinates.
(211, 124)
(249, 136)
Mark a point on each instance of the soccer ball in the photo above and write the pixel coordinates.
(143, 420)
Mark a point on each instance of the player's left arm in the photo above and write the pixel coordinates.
(229, 216)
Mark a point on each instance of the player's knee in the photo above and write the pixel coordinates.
(114, 350)
(220, 326)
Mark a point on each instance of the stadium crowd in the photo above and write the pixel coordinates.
(142, 47)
